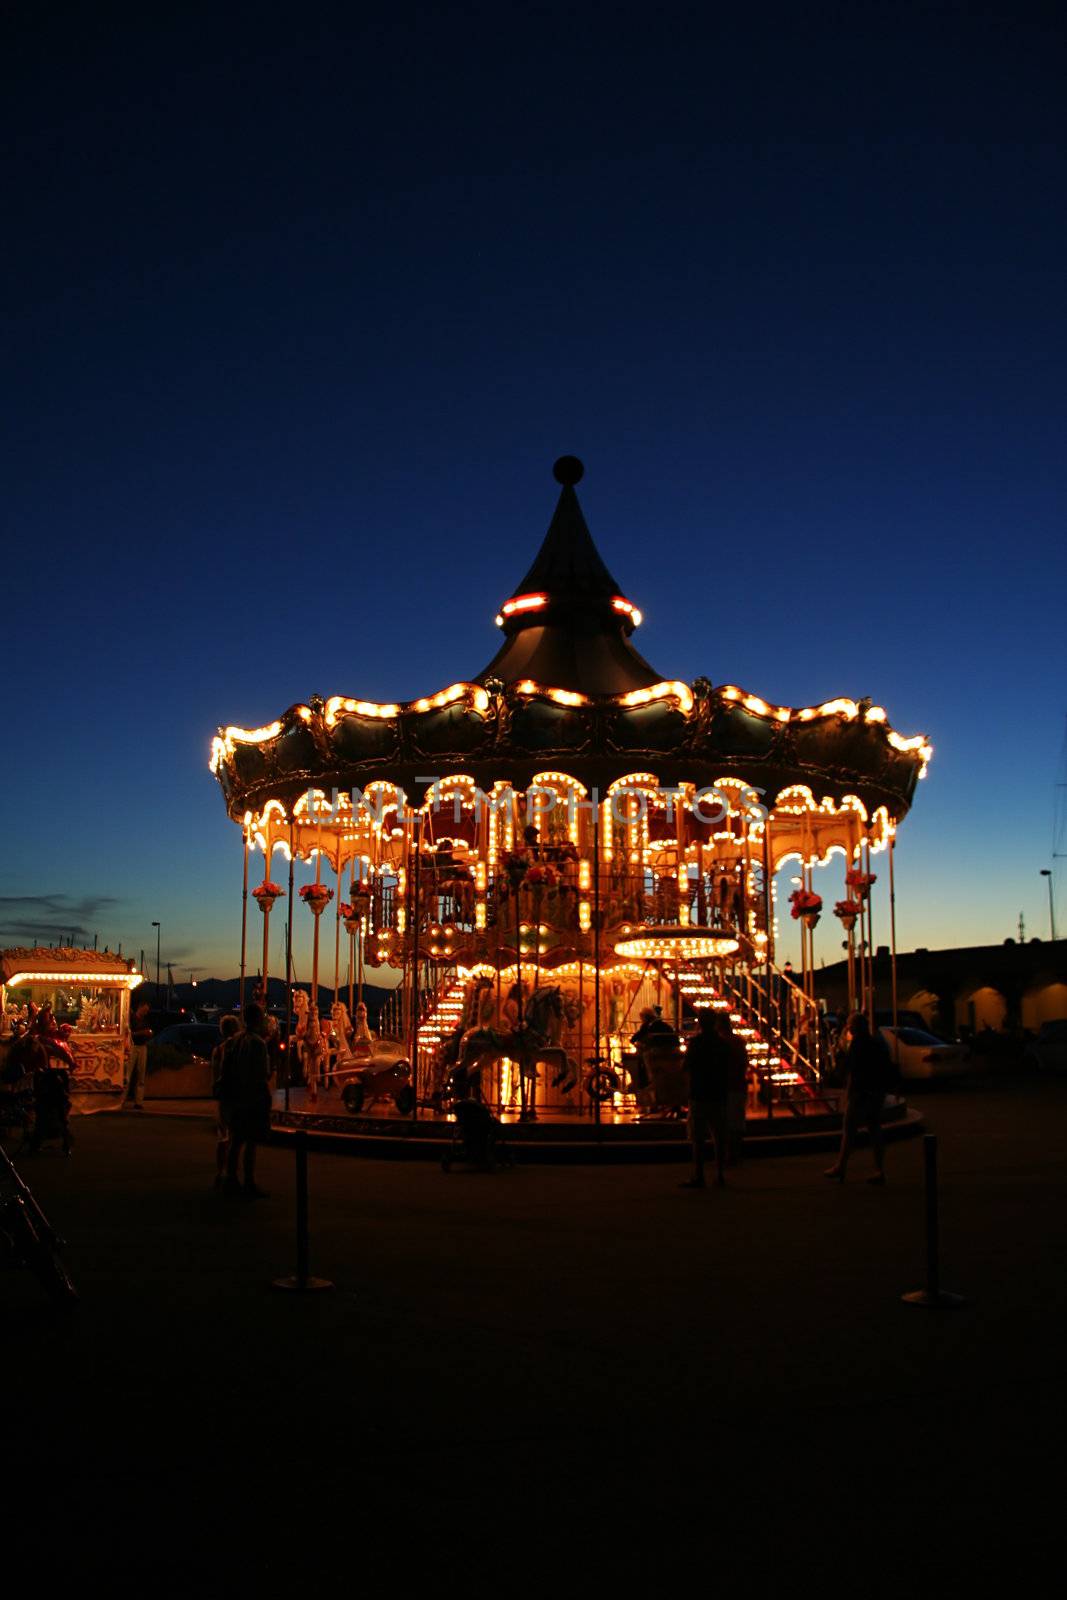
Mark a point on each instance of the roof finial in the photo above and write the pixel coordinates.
(568, 469)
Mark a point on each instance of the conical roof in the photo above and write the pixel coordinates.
(568, 622)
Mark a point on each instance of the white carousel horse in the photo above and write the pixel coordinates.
(311, 1046)
(342, 1022)
(354, 1041)
(341, 1025)
(535, 1039)
(361, 1030)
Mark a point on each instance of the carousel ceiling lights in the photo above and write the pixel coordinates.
(675, 944)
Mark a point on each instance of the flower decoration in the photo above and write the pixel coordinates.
(860, 881)
(317, 896)
(353, 911)
(806, 905)
(541, 876)
(266, 893)
(848, 910)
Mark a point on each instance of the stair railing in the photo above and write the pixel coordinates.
(774, 1003)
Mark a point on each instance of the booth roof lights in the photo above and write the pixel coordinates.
(112, 980)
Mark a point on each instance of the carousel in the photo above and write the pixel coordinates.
(555, 864)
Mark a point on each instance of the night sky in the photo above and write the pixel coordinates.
(298, 314)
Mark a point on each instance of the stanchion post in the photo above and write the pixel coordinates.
(933, 1296)
(302, 1282)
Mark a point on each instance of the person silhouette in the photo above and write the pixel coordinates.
(706, 1062)
(869, 1071)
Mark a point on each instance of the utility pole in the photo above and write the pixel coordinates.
(1046, 872)
(1022, 928)
(159, 992)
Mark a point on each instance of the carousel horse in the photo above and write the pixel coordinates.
(361, 1033)
(341, 1024)
(351, 1038)
(308, 1040)
(533, 1040)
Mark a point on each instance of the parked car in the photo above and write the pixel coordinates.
(1048, 1052)
(159, 1020)
(182, 1043)
(922, 1055)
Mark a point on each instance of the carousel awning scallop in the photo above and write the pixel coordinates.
(568, 690)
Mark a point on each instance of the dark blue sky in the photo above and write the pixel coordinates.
(299, 313)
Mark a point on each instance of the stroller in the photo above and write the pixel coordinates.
(477, 1139)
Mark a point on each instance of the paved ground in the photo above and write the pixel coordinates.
(555, 1373)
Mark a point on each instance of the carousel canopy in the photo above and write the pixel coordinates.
(567, 690)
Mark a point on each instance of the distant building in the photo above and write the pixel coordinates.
(1000, 986)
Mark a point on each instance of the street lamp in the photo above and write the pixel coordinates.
(159, 991)
(1046, 872)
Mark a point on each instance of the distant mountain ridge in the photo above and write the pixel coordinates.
(225, 993)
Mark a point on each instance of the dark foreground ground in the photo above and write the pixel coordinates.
(562, 1375)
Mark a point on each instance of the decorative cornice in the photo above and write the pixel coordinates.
(495, 730)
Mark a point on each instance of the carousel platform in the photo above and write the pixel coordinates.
(562, 1138)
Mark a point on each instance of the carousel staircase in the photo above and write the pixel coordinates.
(698, 989)
(786, 1077)
(442, 1015)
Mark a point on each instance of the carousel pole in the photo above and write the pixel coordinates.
(313, 1012)
(289, 977)
(811, 945)
(497, 921)
(893, 937)
(805, 883)
(352, 934)
(337, 932)
(860, 998)
(870, 939)
(581, 1021)
(361, 935)
(596, 956)
(768, 891)
(519, 1007)
(809, 954)
(244, 921)
(803, 923)
(266, 907)
(413, 1052)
